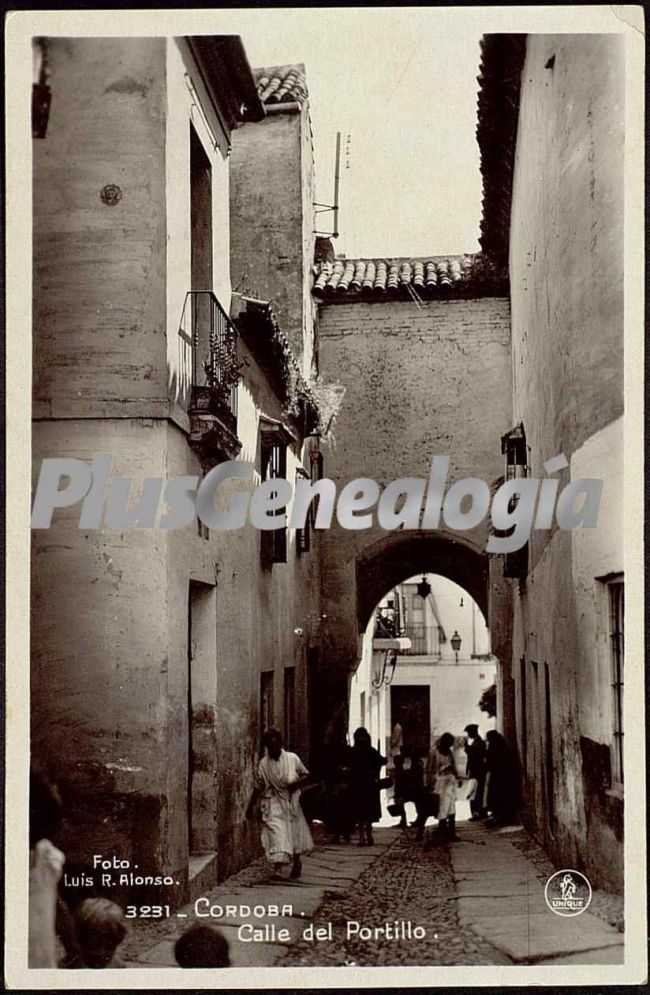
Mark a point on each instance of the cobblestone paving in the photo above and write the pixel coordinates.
(412, 883)
(608, 907)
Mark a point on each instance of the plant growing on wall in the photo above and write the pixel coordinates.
(223, 370)
(488, 701)
(298, 397)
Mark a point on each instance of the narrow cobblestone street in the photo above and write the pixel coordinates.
(476, 902)
(412, 883)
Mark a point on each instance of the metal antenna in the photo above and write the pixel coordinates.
(323, 208)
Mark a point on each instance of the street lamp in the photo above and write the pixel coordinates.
(455, 643)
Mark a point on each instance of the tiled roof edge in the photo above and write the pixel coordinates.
(279, 85)
(428, 275)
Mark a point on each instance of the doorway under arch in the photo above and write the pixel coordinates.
(426, 668)
(425, 664)
(358, 580)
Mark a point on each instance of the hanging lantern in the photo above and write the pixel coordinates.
(424, 588)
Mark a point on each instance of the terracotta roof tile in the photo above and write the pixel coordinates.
(397, 277)
(281, 84)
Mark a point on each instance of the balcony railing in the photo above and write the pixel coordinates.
(209, 368)
(425, 640)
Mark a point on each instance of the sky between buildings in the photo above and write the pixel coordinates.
(401, 83)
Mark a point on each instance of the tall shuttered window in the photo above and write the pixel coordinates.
(274, 466)
(303, 536)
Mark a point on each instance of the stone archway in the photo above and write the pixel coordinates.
(357, 583)
(398, 556)
(391, 560)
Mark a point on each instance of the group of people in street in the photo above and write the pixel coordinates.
(349, 777)
(88, 933)
(432, 783)
(352, 776)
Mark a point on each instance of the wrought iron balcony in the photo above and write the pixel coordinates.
(209, 371)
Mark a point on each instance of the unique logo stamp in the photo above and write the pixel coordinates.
(568, 893)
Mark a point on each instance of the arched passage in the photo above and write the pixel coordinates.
(392, 560)
(415, 680)
(355, 585)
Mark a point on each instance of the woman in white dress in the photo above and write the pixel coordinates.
(441, 778)
(285, 833)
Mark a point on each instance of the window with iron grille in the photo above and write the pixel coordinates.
(515, 450)
(274, 466)
(290, 708)
(266, 702)
(616, 597)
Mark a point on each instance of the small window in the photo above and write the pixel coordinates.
(513, 446)
(266, 702)
(290, 707)
(616, 593)
(274, 466)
